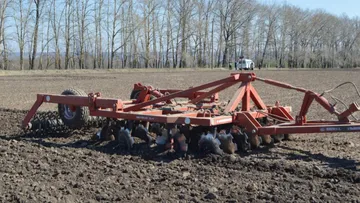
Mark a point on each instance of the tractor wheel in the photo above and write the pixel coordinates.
(73, 116)
(135, 94)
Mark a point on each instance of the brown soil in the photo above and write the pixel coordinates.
(70, 168)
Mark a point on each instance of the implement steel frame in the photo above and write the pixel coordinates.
(201, 107)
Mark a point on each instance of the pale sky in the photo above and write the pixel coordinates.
(337, 7)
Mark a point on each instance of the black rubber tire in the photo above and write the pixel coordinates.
(134, 94)
(81, 112)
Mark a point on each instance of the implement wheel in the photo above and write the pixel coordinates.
(73, 116)
(135, 94)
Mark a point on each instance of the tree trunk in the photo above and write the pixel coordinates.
(35, 35)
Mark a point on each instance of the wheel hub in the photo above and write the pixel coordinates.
(69, 112)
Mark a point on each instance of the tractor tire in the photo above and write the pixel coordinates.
(76, 118)
(134, 94)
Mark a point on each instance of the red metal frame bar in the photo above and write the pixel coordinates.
(32, 112)
(234, 102)
(212, 92)
(319, 128)
(232, 78)
(148, 90)
(352, 109)
(245, 93)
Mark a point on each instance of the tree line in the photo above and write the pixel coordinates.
(109, 34)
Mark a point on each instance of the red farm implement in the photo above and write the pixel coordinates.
(198, 122)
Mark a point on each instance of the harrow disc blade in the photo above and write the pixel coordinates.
(278, 137)
(45, 123)
(255, 141)
(267, 139)
(107, 133)
(49, 122)
(242, 141)
(226, 143)
(155, 129)
(142, 133)
(209, 144)
(288, 137)
(125, 140)
(180, 144)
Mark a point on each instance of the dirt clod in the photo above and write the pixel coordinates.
(211, 195)
(251, 187)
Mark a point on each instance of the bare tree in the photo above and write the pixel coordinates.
(116, 29)
(38, 7)
(82, 12)
(233, 14)
(68, 11)
(98, 16)
(147, 30)
(271, 14)
(185, 12)
(183, 33)
(21, 24)
(3, 17)
(55, 20)
(169, 38)
(203, 9)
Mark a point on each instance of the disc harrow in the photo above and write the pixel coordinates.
(49, 122)
(188, 120)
